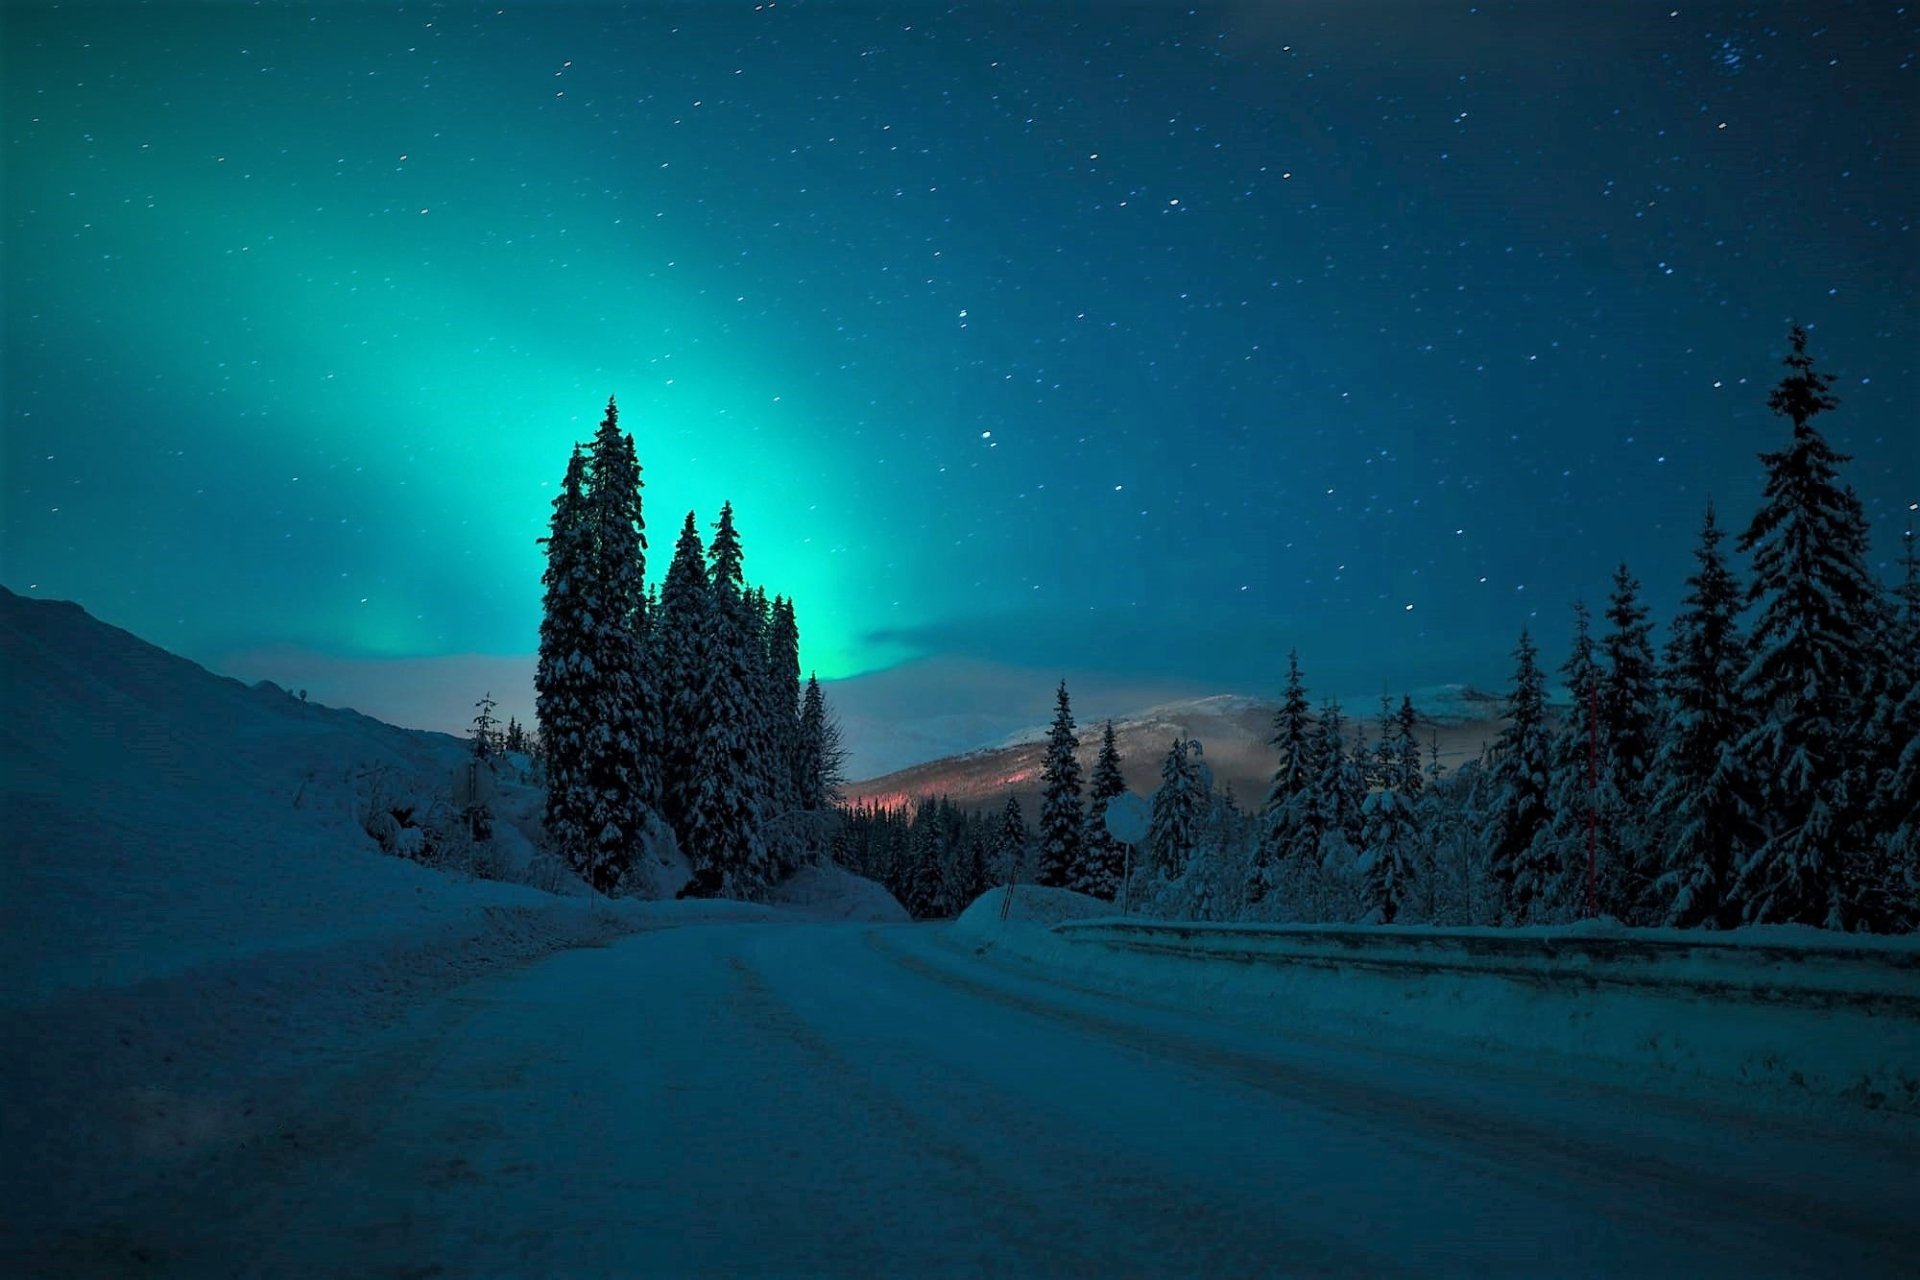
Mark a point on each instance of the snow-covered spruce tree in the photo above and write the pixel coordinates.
(1339, 790)
(1892, 900)
(977, 866)
(1885, 868)
(728, 804)
(679, 638)
(822, 758)
(1407, 734)
(1517, 772)
(1293, 740)
(1629, 711)
(1582, 814)
(1172, 819)
(565, 685)
(1101, 864)
(1340, 781)
(925, 888)
(1010, 848)
(784, 701)
(1697, 815)
(618, 773)
(765, 748)
(1383, 770)
(1818, 616)
(1062, 819)
(1389, 860)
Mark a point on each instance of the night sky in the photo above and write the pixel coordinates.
(1133, 342)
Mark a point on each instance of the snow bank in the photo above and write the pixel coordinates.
(833, 893)
(1803, 1018)
(1031, 905)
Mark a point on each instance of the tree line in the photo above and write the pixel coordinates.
(1763, 768)
(674, 714)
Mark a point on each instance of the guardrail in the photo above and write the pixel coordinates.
(1875, 976)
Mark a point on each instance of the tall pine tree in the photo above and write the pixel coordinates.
(1698, 816)
(679, 642)
(1582, 821)
(1010, 847)
(1061, 815)
(564, 681)
(728, 804)
(1517, 773)
(784, 702)
(618, 769)
(1292, 739)
(1629, 710)
(1173, 821)
(1101, 857)
(1818, 614)
(820, 754)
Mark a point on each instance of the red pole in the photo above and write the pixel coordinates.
(1593, 787)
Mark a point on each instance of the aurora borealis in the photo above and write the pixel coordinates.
(1135, 342)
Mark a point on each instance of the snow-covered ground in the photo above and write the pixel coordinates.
(818, 1099)
(1798, 1018)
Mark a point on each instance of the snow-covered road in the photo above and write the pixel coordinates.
(802, 1100)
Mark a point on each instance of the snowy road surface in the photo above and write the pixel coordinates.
(803, 1100)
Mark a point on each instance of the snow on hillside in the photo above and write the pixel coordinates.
(195, 923)
(159, 817)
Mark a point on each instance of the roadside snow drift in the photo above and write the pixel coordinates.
(833, 893)
(1803, 1014)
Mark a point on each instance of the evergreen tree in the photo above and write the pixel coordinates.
(1818, 614)
(1389, 840)
(822, 759)
(1884, 867)
(616, 768)
(1518, 769)
(925, 896)
(1581, 825)
(1062, 819)
(1384, 768)
(680, 662)
(1172, 822)
(728, 805)
(1629, 711)
(1292, 738)
(1407, 726)
(1010, 849)
(486, 730)
(1699, 816)
(1102, 860)
(1339, 786)
(978, 866)
(784, 707)
(564, 678)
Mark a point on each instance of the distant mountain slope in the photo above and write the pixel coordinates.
(1232, 729)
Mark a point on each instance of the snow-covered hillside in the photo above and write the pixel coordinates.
(196, 926)
(159, 817)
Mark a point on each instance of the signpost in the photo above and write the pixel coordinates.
(1127, 819)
